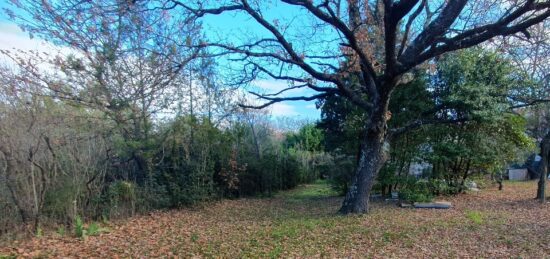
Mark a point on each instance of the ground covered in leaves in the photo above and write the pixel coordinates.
(303, 223)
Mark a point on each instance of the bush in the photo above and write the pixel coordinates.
(418, 191)
(79, 230)
(61, 231)
(339, 172)
(152, 196)
(93, 229)
(412, 196)
(120, 199)
(442, 187)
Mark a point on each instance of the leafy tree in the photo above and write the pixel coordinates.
(379, 42)
(307, 138)
(476, 86)
(486, 135)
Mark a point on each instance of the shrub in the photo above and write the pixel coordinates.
(122, 191)
(120, 199)
(61, 231)
(339, 171)
(442, 187)
(79, 230)
(413, 196)
(418, 191)
(93, 229)
(39, 231)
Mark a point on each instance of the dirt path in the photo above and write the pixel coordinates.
(302, 223)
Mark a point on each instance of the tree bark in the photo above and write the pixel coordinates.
(544, 153)
(542, 181)
(500, 180)
(374, 153)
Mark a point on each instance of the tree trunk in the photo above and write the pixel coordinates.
(544, 153)
(374, 153)
(542, 181)
(461, 188)
(500, 180)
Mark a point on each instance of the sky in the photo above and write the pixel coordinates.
(240, 27)
(227, 25)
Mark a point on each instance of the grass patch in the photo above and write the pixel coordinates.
(319, 189)
(476, 217)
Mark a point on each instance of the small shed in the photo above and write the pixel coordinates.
(526, 171)
(520, 174)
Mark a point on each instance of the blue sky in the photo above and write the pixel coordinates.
(231, 27)
(239, 28)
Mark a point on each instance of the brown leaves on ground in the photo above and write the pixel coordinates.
(303, 223)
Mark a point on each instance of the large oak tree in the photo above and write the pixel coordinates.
(377, 41)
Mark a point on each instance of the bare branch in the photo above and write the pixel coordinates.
(367, 68)
(408, 27)
(200, 12)
(476, 35)
(273, 100)
(434, 30)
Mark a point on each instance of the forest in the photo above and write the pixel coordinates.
(144, 128)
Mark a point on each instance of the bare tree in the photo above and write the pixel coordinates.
(530, 52)
(374, 42)
(124, 60)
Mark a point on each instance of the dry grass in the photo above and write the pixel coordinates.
(303, 223)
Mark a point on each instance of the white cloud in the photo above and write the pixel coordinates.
(12, 38)
(271, 85)
(274, 86)
(283, 109)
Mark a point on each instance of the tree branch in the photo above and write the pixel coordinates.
(419, 123)
(435, 29)
(273, 100)
(452, 45)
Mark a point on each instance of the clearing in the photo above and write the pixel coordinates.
(303, 223)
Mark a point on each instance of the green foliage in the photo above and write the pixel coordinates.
(152, 196)
(342, 124)
(473, 86)
(59, 201)
(93, 229)
(416, 191)
(317, 190)
(475, 216)
(339, 170)
(120, 199)
(122, 191)
(79, 230)
(61, 231)
(476, 84)
(308, 138)
(443, 187)
(39, 231)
